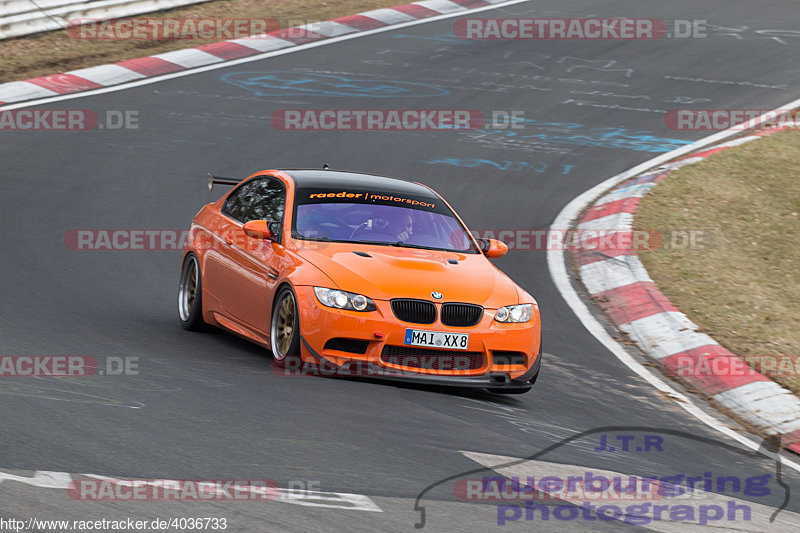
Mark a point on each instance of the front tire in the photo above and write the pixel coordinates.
(284, 335)
(190, 295)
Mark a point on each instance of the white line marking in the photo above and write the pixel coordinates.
(41, 478)
(331, 500)
(558, 271)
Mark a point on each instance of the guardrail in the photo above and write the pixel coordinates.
(26, 17)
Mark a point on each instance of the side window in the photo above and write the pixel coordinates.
(258, 199)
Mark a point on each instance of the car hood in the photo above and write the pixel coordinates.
(395, 272)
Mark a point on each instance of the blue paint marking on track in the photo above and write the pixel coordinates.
(505, 164)
(442, 37)
(286, 83)
(577, 134)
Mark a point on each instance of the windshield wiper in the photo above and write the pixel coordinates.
(404, 245)
(401, 244)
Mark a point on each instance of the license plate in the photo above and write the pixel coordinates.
(437, 339)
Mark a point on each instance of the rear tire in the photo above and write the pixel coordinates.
(190, 295)
(284, 334)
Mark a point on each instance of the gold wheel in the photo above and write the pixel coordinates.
(188, 290)
(284, 333)
(285, 324)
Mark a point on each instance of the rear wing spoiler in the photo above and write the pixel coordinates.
(220, 180)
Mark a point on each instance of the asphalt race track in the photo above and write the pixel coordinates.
(208, 406)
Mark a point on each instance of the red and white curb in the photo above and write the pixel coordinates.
(189, 58)
(620, 285)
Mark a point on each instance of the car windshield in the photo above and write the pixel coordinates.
(377, 219)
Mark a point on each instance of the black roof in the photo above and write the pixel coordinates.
(337, 178)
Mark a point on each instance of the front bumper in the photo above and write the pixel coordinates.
(496, 381)
(380, 329)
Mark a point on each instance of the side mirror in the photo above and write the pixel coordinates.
(493, 247)
(260, 229)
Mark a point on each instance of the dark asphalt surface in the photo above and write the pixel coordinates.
(208, 405)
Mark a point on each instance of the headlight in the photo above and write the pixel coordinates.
(343, 300)
(514, 313)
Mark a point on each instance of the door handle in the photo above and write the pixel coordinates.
(228, 240)
(273, 274)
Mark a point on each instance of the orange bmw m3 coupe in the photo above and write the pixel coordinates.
(359, 275)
